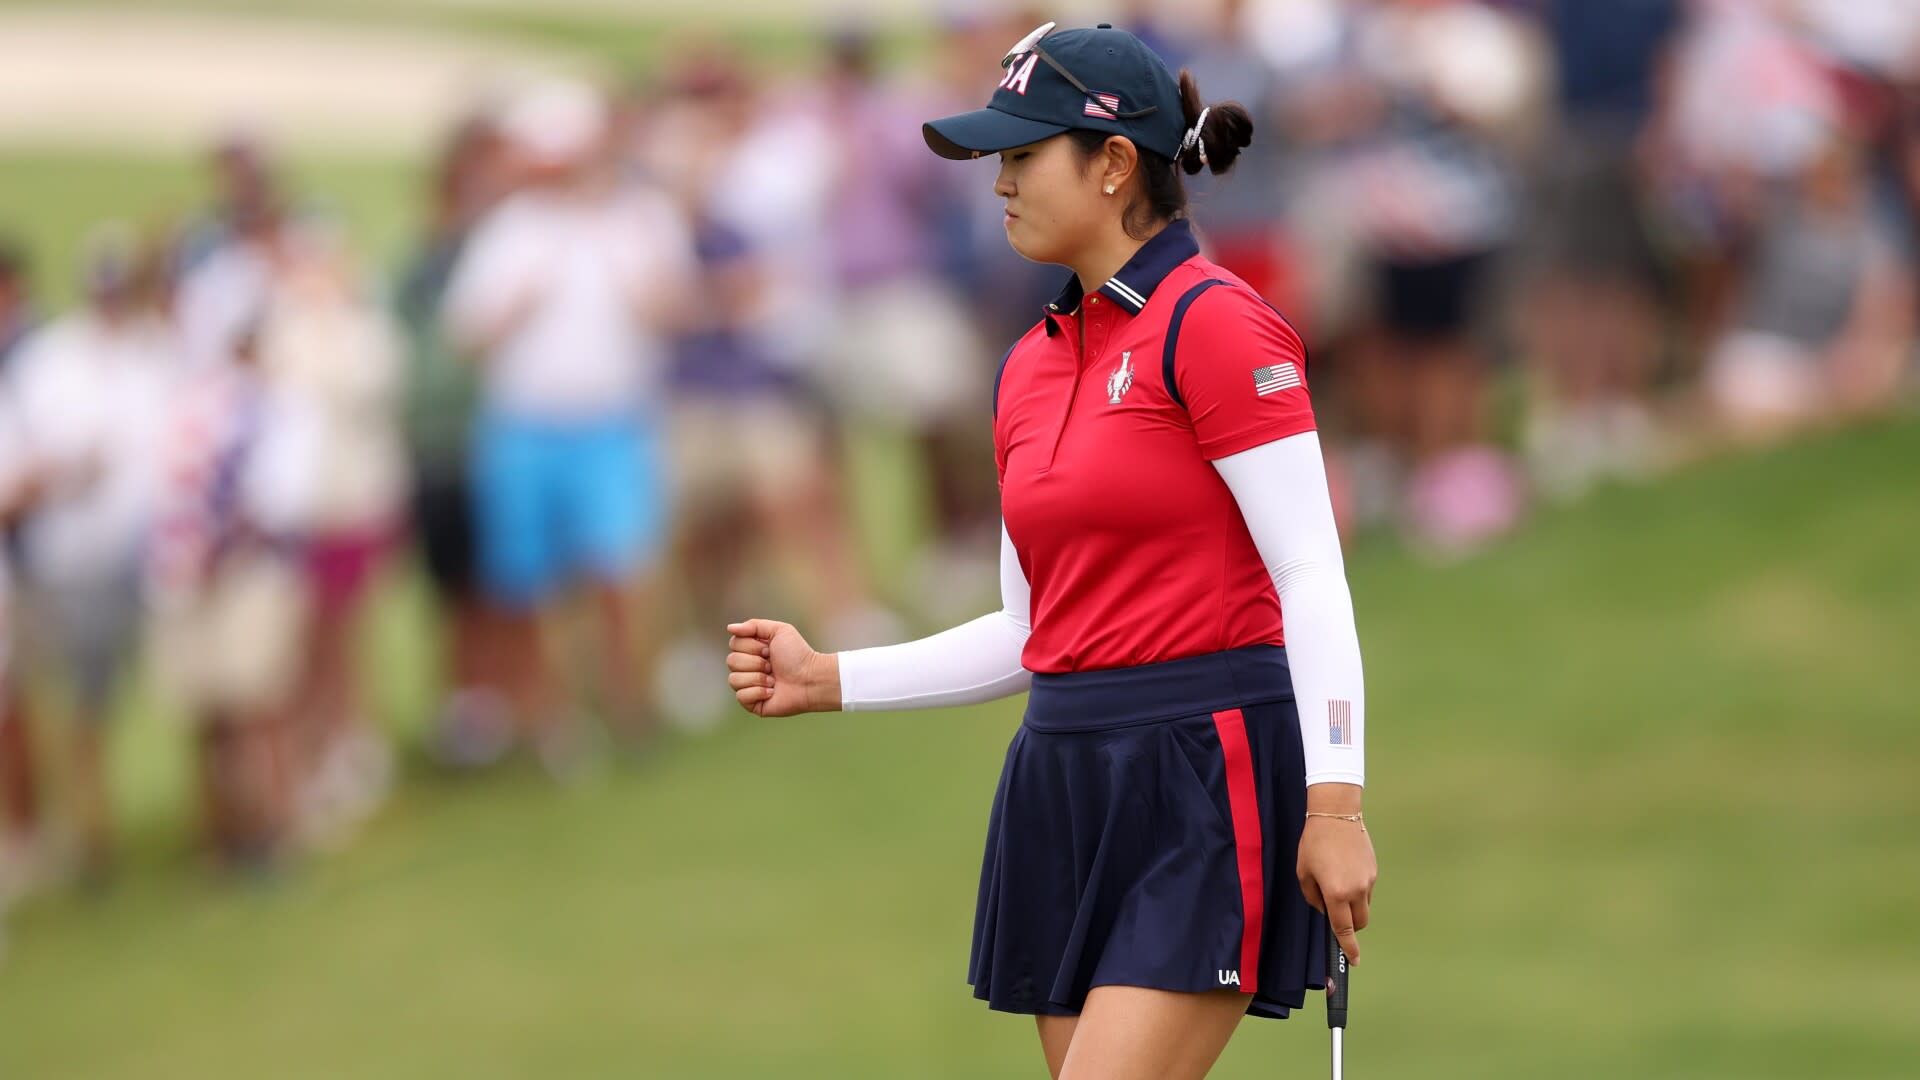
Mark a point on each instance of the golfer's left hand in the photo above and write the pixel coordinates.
(1337, 872)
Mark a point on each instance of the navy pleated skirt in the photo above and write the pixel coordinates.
(1144, 834)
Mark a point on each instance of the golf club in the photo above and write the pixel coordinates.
(1338, 987)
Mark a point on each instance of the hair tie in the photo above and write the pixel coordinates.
(1193, 138)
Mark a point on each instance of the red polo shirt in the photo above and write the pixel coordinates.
(1131, 542)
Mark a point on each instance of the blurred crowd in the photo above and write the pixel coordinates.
(609, 402)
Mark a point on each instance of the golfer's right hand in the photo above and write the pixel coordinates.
(774, 672)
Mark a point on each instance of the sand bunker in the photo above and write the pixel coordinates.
(168, 81)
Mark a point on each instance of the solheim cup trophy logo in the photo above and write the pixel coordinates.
(1121, 380)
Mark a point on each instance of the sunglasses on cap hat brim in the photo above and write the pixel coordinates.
(1031, 44)
(991, 131)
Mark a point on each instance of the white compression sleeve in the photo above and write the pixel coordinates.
(1281, 488)
(973, 662)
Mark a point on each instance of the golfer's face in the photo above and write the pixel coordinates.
(1053, 199)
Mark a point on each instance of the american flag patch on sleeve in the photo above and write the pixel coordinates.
(1339, 723)
(1272, 380)
(1104, 106)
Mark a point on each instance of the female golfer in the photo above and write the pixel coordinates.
(1185, 786)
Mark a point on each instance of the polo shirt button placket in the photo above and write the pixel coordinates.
(1099, 329)
(1089, 322)
(1093, 323)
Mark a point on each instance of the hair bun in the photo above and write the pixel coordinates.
(1225, 129)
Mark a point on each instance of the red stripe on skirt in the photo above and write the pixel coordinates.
(1245, 804)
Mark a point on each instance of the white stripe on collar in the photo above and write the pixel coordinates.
(1126, 292)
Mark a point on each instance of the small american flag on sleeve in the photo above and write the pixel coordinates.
(1272, 380)
(1104, 106)
(1339, 723)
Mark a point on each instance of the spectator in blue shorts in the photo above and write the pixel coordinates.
(562, 291)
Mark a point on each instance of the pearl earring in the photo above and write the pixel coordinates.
(1109, 189)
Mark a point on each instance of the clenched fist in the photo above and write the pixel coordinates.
(774, 672)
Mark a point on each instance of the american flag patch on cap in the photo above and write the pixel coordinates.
(1339, 723)
(1272, 380)
(1104, 106)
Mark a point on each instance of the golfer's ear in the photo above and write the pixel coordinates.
(1122, 160)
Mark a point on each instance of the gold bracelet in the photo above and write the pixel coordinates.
(1357, 819)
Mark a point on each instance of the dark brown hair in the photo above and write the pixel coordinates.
(1163, 195)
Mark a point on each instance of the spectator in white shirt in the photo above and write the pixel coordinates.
(89, 390)
(326, 346)
(563, 291)
(228, 259)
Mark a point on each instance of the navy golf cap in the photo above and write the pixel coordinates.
(1102, 79)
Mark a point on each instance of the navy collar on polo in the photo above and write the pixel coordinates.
(1133, 286)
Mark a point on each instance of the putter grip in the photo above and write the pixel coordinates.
(1337, 982)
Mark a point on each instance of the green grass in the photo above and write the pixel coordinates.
(51, 199)
(634, 42)
(1643, 789)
